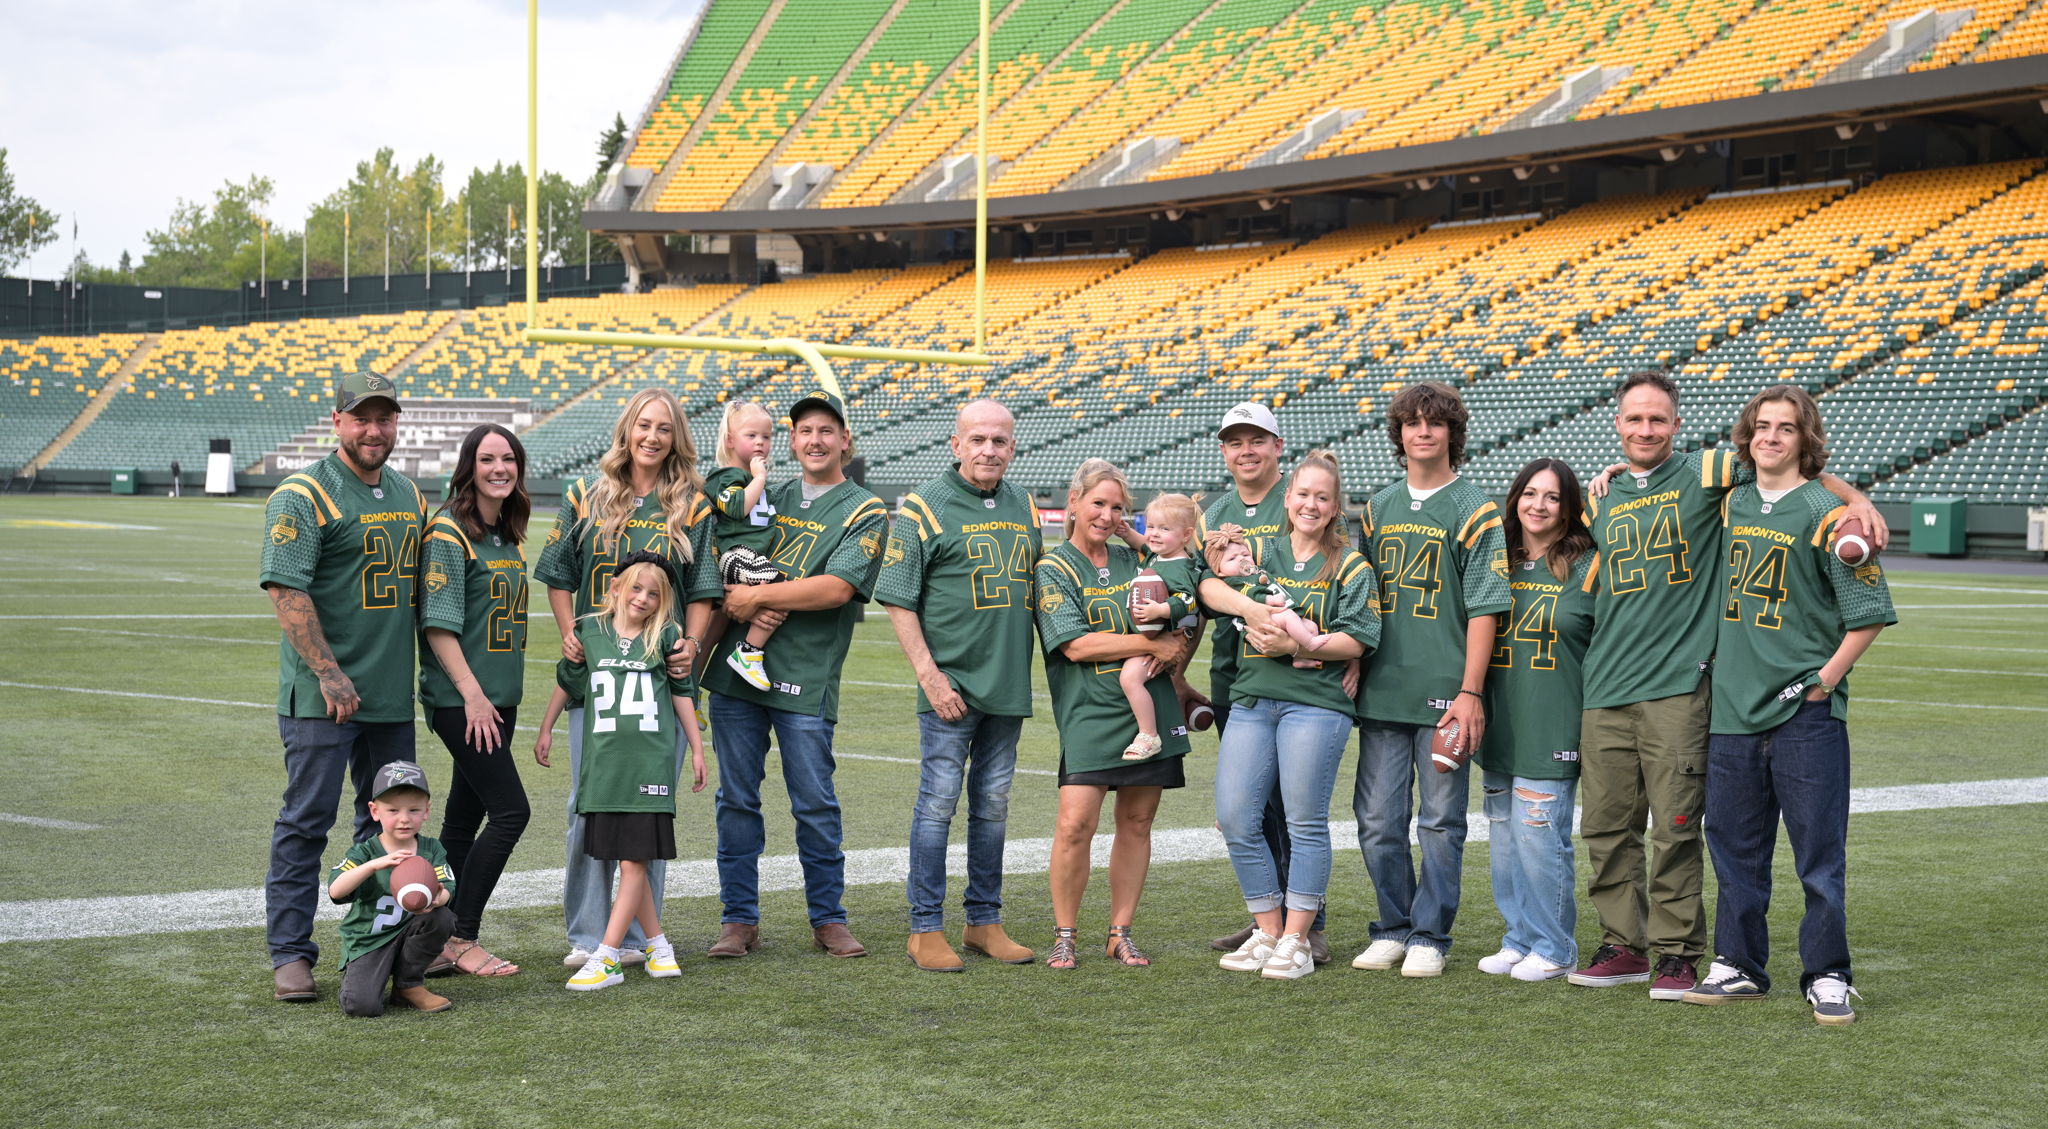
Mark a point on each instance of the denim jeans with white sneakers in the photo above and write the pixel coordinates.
(1534, 884)
(1294, 749)
(1393, 766)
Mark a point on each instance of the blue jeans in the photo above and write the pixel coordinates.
(1801, 769)
(977, 754)
(1394, 761)
(587, 882)
(739, 730)
(1531, 848)
(1273, 825)
(316, 753)
(1295, 748)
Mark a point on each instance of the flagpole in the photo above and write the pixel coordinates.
(305, 257)
(468, 244)
(532, 154)
(510, 223)
(387, 248)
(586, 254)
(430, 250)
(263, 260)
(346, 230)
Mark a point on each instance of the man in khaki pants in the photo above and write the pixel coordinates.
(1643, 739)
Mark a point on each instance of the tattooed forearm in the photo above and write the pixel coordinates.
(301, 626)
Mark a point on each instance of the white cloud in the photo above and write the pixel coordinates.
(115, 109)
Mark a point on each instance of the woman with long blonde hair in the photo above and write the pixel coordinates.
(646, 495)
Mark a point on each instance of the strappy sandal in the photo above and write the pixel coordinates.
(486, 965)
(1123, 951)
(1062, 956)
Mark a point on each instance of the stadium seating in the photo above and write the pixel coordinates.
(924, 39)
(725, 28)
(45, 382)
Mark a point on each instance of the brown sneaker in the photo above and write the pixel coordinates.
(837, 940)
(735, 939)
(1675, 977)
(1234, 941)
(421, 999)
(295, 982)
(1318, 947)
(990, 941)
(930, 952)
(1612, 965)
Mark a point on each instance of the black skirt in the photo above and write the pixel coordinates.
(1158, 772)
(637, 836)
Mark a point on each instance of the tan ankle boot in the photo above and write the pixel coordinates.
(990, 941)
(419, 997)
(930, 952)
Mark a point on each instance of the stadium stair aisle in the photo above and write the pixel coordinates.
(1987, 19)
(52, 387)
(1754, 56)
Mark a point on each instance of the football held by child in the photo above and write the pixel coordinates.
(381, 943)
(1171, 521)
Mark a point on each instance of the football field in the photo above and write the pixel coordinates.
(140, 770)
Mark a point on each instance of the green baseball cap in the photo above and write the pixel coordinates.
(818, 398)
(351, 390)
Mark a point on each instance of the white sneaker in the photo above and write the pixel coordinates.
(1250, 956)
(1422, 961)
(1291, 959)
(577, 958)
(1829, 996)
(1533, 968)
(596, 973)
(1500, 963)
(631, 956)
(661, 965)
(1380, 955)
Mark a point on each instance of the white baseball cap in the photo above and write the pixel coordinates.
(1252, 413)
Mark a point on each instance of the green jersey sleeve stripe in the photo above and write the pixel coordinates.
(867, 510)
(1825, 533)
(1472, 542)
(324, 509)
(1066, 568)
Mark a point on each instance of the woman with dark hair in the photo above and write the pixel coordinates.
(472, 670)
(1086, 631)
(1530, 752)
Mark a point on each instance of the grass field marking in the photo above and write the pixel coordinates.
(837, 755)
(165, 635)
(56, 919)
(272, 616)
(1891, 642)
(1945, 607)
(51, 824)
(140, 694)
(59, 523)
(2007, 591)
(1954, 670)
(1950, 705)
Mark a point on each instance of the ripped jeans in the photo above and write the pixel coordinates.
(1529, 825)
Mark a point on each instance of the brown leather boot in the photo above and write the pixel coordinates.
(418, 997)
(990, 941)
(295, 982)
(837, 941)
(930, 952)
(1234, 941)
(735, 940)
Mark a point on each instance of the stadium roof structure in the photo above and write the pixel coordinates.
(1962, 94)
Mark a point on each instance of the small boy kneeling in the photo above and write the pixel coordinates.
(380, 942)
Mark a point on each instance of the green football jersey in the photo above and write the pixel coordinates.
(374, 916)
(630, 725)
(1659, 537)
(1260, 522)
(1534, 681)
(481, 597)
(1441, 562)
(355, 550)
(576, 560)
(839, 533)
(1349, 603)
(1183, 578)
(1088, 704)
(963, 559)
(735, 525)
(1788, 603)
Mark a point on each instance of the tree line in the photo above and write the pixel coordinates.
(415, 214)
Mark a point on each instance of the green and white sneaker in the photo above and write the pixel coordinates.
(662, 965)
(751, 664)
(597, 972)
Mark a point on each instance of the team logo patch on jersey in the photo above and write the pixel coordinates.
(1500, 563)
(554, 534)
(285, 531)
(1052, 599)
(871, 542)
(436, 577)
(1870, 573)
(895, 552)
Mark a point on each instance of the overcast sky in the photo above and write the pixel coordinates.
(111, 110)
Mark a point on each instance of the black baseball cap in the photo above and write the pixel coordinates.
(819, 398)
(398, 774)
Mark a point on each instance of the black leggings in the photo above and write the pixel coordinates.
(482, 784)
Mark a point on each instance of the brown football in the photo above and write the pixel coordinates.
(1447, 748)
(1148, 588)
(414, 885)
(1852, 542)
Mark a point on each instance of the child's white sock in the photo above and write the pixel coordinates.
(659, 946)
(608, 953)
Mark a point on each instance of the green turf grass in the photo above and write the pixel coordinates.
(178, 1029)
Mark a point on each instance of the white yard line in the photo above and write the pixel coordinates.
(191, 615)
(1945, 607)
(1969, 588)
(1953, 670)
(57, 919)
(165, 635)
(1892, 642)
(1946, 705)
(50, 824)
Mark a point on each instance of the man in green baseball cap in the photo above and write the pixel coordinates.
(352, 390)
